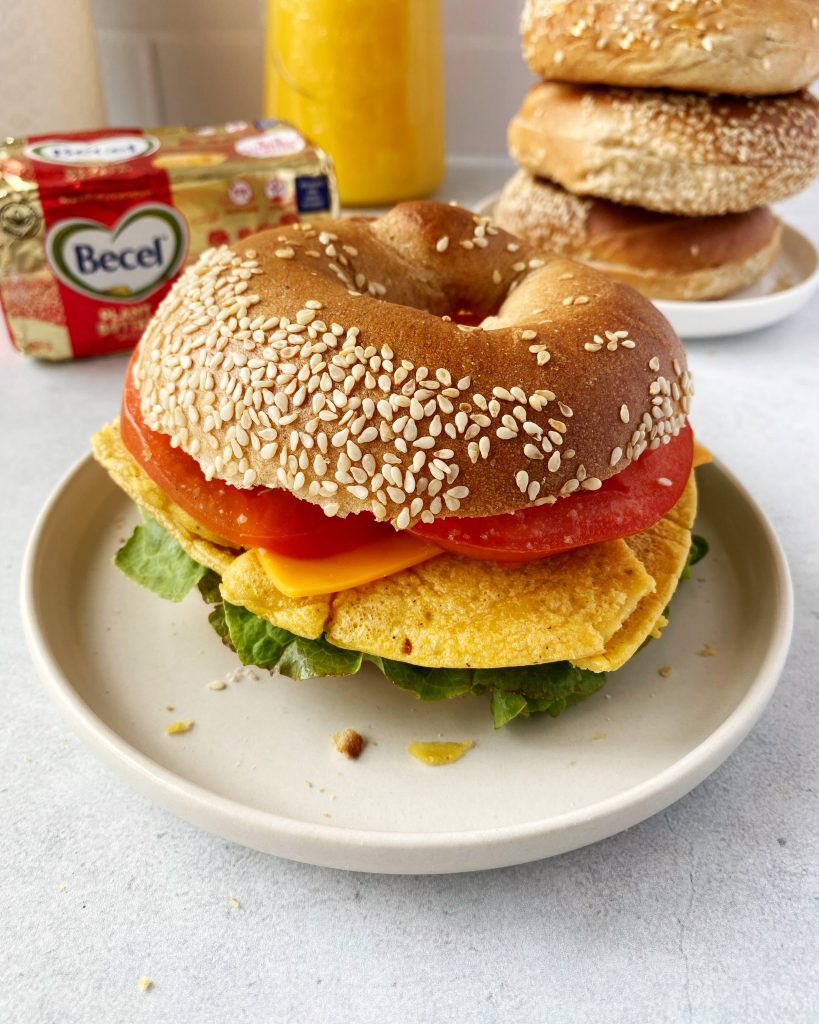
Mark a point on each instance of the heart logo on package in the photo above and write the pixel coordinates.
(124, 263)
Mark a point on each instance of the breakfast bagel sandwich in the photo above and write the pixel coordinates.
(413, 441)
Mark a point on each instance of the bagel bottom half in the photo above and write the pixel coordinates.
(592, 606)
(664, 256)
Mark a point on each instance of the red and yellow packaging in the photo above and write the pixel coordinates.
(95, 226)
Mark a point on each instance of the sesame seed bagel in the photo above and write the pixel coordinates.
(322, 360)
(730, 46)
(672, 152)
(662, 255)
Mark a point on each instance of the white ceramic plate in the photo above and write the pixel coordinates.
(781, 291)
(259, 766)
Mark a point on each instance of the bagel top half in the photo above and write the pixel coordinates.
(728, 46)
(322, 359)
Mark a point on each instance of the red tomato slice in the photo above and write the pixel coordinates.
(255, 517)
(627, 503)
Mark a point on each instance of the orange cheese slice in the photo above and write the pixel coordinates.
(305, 577)
(701, 455)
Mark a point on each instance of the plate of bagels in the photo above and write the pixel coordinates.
(654, 146)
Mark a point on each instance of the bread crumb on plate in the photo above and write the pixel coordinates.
(665, 671)
(707, 651)
(145, 984)
(349, 742)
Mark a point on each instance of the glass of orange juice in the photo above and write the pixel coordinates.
(364, 80)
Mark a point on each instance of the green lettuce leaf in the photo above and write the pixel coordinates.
(540, 682)
(538, 688)
(217, 619)
(506, 706)
(426, 683)
(310, 659)
(152, 558)
(697, 551)
(259, 642)
(513, 691)
(209, 587)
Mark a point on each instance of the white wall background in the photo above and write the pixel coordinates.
(201, 61)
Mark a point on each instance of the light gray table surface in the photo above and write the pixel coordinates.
(708, 912)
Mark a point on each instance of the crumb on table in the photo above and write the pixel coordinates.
(233, 902)
(665, 671)
(349, 742)
(217, 684)
(707, 651)
(145, 984)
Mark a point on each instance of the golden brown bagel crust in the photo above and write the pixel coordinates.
(672, 152)
(662, 255)
(317, 359)
(729, 46)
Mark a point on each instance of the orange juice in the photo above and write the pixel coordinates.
(364, 80)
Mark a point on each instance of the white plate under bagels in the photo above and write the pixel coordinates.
(781, 291)
(259, 766)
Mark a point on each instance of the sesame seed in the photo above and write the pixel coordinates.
(624, 413)
(664, 481)
(442, 243)
(286, 253)
(403, 520)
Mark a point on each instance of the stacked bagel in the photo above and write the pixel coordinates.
(660, 132)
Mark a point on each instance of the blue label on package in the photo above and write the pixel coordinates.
(312, 194)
